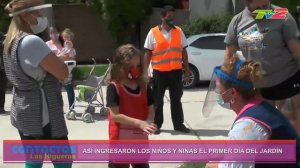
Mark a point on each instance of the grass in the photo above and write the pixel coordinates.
(193, 165)
(81, 72)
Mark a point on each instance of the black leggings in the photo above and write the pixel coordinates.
(114, 165)
(46, 136)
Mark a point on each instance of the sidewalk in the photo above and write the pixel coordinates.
(214, 127)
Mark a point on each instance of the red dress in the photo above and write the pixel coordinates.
(131, 105)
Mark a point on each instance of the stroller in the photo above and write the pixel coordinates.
(88, 91)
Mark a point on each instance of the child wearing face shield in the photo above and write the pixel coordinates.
(256, 119)
(35, 72)
(129, 99)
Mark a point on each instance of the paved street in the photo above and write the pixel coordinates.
(214, 127)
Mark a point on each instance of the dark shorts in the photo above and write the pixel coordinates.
(286, 89)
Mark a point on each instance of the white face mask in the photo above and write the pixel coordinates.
(40, 26)
(222, 102)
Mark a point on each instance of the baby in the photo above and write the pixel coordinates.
(68, 48)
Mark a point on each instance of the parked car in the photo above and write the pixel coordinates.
(205, 51)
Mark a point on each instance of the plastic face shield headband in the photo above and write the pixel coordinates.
(34, 8)
(210, 103)
(43, 15)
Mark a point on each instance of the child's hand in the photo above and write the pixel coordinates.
(148, 128)
(212, 165)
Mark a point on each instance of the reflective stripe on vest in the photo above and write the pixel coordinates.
(177, 60)
(167, 50)
(167, 56)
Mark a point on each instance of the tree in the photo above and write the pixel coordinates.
(63, 1)
(290, 4)
(4, 18)
(123, 17)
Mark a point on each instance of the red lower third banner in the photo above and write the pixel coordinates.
(98, 151)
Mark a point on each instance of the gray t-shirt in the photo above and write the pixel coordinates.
(265, 41)
(32, 50)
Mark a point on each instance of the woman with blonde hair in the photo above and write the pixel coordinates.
(35, 72)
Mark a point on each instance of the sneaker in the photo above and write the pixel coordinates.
(183, 129)
(157, 132)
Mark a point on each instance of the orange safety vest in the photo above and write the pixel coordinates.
(167, 56)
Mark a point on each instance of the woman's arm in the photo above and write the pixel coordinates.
(230, 50)
(52, 64)
(290, 35)
(294, 47)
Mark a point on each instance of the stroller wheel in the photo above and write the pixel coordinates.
(90, 110)
(103, 111)
(71, 115)
(87, 117)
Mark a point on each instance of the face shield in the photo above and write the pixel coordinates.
(41, 17)
(217, 95)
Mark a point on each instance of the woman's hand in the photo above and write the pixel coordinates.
(65, 57)
(148, 128)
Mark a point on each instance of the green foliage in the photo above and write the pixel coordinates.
(82, 72)
(62, 1)
(290, 4)
(211, 24)
(162, 3)
(4, 18)
(123, 16)
(193, 165)
(97, 6)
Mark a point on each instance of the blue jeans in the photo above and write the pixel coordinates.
(71, 95)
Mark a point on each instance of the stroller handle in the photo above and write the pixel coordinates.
(95, 63)
(92, 70)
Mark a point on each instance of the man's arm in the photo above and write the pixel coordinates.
(147, 59)
(186, 67)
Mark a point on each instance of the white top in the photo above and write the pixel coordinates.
(246, 129)
(150, 42)
(32, 50)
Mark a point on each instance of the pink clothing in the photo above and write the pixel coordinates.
(59, 50)
(70, 51)
(56, 48)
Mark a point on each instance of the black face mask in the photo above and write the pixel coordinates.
(170, 23)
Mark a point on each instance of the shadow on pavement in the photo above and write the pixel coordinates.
(210, 133)
(173, 132)
(5, 114)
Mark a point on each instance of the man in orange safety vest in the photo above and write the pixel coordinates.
(165, 49)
